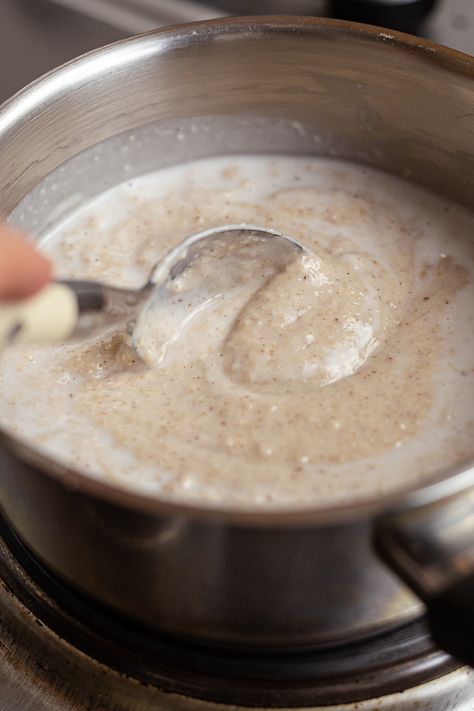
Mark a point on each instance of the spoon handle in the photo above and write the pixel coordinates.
(64, 310)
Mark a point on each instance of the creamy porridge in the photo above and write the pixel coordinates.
(347, 373)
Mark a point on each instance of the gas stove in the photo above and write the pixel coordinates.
(59, 651)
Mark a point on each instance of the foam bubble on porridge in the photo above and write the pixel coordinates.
(342, 375)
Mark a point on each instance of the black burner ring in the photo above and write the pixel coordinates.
(393, 661)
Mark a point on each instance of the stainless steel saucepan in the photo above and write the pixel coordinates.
(295, 85)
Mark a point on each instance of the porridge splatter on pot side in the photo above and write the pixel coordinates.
(347, 374)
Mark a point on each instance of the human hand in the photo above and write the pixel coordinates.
(23, 270)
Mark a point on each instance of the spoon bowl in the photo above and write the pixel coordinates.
(72, 310)
(224, 263)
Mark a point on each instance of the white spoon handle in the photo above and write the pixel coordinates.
(48, 317)
(66, 310)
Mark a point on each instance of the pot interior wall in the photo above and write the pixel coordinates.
(314, 90)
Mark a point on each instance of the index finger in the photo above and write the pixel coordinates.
(23, 270)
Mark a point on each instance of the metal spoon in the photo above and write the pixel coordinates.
(69, 310)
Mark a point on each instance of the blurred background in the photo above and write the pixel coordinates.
(37, 35)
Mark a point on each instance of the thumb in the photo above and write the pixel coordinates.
(23, 270)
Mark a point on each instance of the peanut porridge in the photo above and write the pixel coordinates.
(343, 375)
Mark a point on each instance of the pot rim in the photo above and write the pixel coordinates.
(442, 483)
